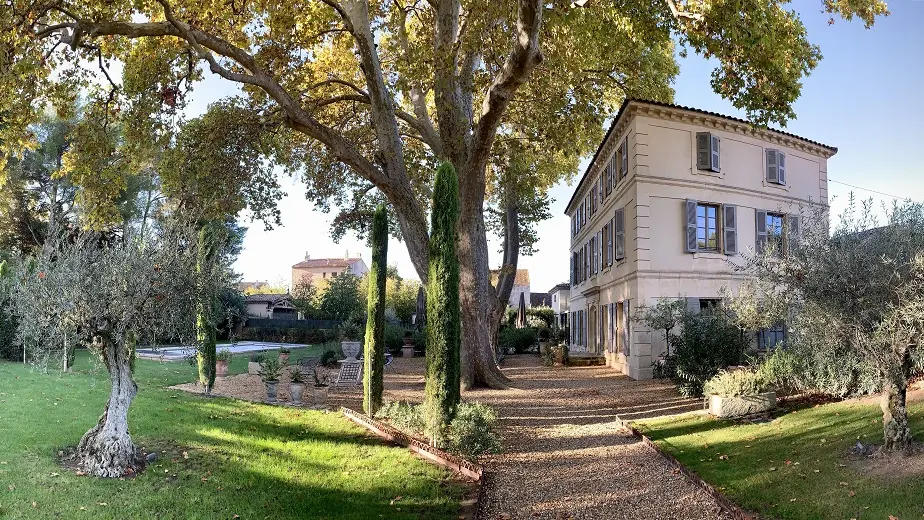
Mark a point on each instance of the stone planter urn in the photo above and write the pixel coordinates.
(320, 394)
(253, 368)
(221, 368)
(407, 351)
(351, 349)
(271, 387)
(729, 407)
(284, 358)
(297, 392)
(544, 347)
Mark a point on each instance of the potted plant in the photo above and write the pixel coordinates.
(350, 341)
(284, 355)
(321, 376)
(270, 370)
(545, 337)
(296, 386)
(221, 363)
(253, 366)
(408, 349)
(561, 355)
(736, 393)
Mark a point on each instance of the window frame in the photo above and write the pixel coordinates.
(717, 208)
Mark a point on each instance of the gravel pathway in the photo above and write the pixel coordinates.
(566, 455)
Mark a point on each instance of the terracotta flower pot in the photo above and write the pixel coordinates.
(284, 358)
(221, 368)
(253, 368)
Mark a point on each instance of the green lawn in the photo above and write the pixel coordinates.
(800, 455)
(223, 458)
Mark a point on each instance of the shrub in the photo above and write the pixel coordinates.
(270, 369)
(516, 340)
(535, 322)
(545, 334)
(780, 369)
(548, 357)
(545, 314)
(257, 358)
(420, 340)
(223, 355)
(707, 343)
(403, 416)
(736, 383)
(285, 350)
(472, 433)
(287, 335)
(394, 338)
(330, 357)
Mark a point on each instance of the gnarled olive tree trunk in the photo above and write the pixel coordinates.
(107, 449)
(896, 433)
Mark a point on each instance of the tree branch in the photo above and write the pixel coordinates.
(417, 96)
(678, 14)
(522, 60)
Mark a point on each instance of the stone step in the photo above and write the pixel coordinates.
(586, 361)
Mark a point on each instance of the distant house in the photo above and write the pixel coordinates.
(520, 286)
(252, 287)
(326, 268)
(271, 306)
(560, 295)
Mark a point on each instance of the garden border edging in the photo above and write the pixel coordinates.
(433, 455)
(727, 505)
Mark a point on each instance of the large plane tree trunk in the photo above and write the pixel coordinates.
(107, 449)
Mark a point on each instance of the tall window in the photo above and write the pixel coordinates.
(775, 231)
(707, 230)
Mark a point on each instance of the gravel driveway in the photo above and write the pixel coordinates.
(567, 456)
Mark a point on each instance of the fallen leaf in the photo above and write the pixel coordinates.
(54, 474)
(772, 469)
(844, 484)
(104, 504)
(723, 457)
(852, 493)
(792, 499)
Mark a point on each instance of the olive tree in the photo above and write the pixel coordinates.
(108, 294)
(853, 301)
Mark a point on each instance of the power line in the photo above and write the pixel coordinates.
(869, 190)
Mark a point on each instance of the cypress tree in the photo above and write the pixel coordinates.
(374, 357)
(443, 312)
(205, 305)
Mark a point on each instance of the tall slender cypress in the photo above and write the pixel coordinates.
(443, 313)
(205, 305)
(374, 358)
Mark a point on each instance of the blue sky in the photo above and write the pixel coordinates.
(864, 98)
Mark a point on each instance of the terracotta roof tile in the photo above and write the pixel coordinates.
(326, 262)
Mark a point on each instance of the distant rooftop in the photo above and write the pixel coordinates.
(564, 286)
(326, 262)
(522, 277)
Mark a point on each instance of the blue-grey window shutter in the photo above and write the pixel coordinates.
(625, 328)
(703, 153)
(690, 222)
(761, 226)
(794, 231)
(730, 229)
(624, 159)
(773, 167)
(620, 219)
(781, 164)
(715, 153)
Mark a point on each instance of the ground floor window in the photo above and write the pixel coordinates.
(709, 304)
(770, 338)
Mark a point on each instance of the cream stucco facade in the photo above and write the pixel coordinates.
(690, 193)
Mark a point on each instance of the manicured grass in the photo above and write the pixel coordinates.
(218, 457)
(796, 467)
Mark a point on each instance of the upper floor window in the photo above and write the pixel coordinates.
(707, 152)
(624, 158)
(776, 167)
(711, 227)
(777, 231)
(707, 227)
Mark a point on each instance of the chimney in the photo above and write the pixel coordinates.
(346, 255)
(307, 256)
